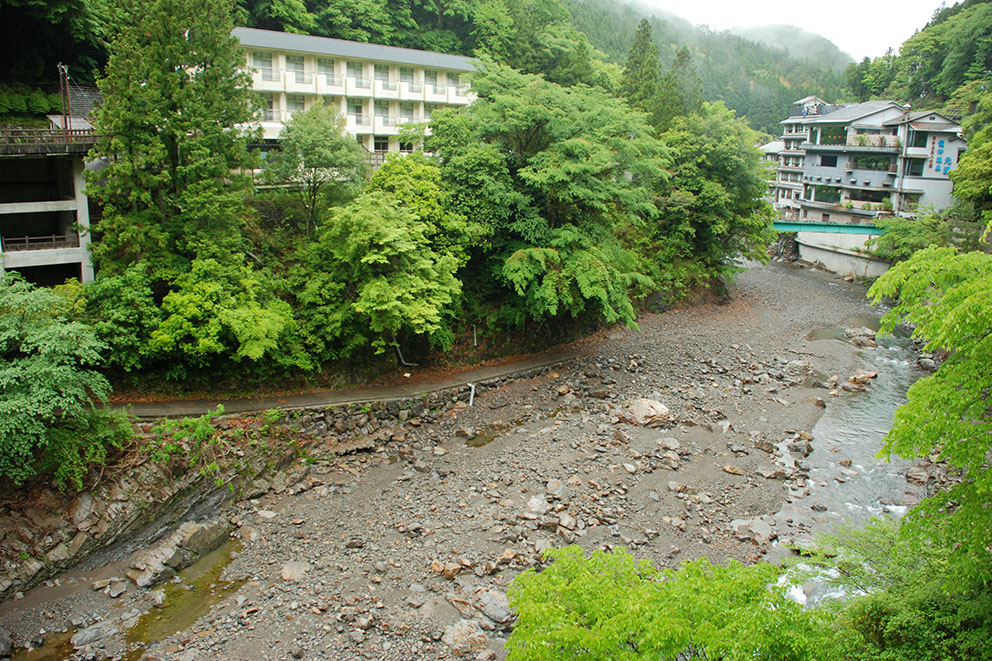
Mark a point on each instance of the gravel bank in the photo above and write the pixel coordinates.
(407, 552)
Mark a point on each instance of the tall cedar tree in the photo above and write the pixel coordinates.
(176, 100)
(690, 87)
(642, 75)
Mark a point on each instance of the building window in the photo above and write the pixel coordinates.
(263, 62)
(355, 108)
(430, 77)
(268, 108)
(453, 79)
(382, 112)
(826, 217)
(382, 75)
(294, 103)
(381, 143)
(294, 65)
(406, 147)
(428, 109)
(914, 167)
(406, 112)
(918, 139)
(866, 162)
(356, 73)
(325, 69)
(833, 135)
(828, 160)
(406, 74)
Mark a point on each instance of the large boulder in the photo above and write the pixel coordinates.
(645, 412)
(464, 637)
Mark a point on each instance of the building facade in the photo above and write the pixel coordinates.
(376, 88)
(852, 163)
(44, 210)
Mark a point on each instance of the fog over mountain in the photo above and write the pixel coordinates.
(800, 44)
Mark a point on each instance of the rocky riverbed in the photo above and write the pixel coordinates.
(687, 438)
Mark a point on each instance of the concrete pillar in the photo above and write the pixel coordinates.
(82, 217)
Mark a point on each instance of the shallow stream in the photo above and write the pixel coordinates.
(848, 482)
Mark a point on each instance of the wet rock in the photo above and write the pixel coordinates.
(801, 446)
(203, 537)
(671, 460)
(93, 634)
(917, 475)
(115, 590)
(295, 571)
(645, 412)
(464, 637)
(861, 337)
(494, 605)
(756, 530)
(81, 508)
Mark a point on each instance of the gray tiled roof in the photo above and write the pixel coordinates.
(916, 116)
(304, 43)
(851, 112)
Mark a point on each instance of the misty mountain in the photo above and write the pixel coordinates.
(800, 44)
(758, 80)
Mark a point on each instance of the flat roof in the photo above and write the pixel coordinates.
(305, 43)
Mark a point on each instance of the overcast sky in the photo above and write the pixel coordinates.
(858, 27)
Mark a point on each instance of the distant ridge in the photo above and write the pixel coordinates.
(800, 44)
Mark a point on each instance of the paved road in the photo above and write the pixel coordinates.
(194, 407)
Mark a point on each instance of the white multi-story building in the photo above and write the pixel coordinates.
(841, 167)
(377, 88)
(850, 163)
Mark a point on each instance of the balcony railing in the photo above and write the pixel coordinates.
(51, 242)
(868, 140)
(16, 136)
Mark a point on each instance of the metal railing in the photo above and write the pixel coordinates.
(17, 136)
(51, 242)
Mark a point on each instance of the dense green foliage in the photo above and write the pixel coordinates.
(372, 278)
(316, 157)
(551, 170)
(947, 296)
(910, 604)
(174, 94)
(610, 607)
(903, 237)
(49, 388)
(36, 35)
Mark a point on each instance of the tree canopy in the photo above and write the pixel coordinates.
(172, 133)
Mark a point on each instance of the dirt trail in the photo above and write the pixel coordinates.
(407, 552)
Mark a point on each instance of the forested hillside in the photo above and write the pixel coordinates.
(756, 80)
(946, 63)
(565, 40)
(818, 51)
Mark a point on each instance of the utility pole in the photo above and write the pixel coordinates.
(64, 93)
